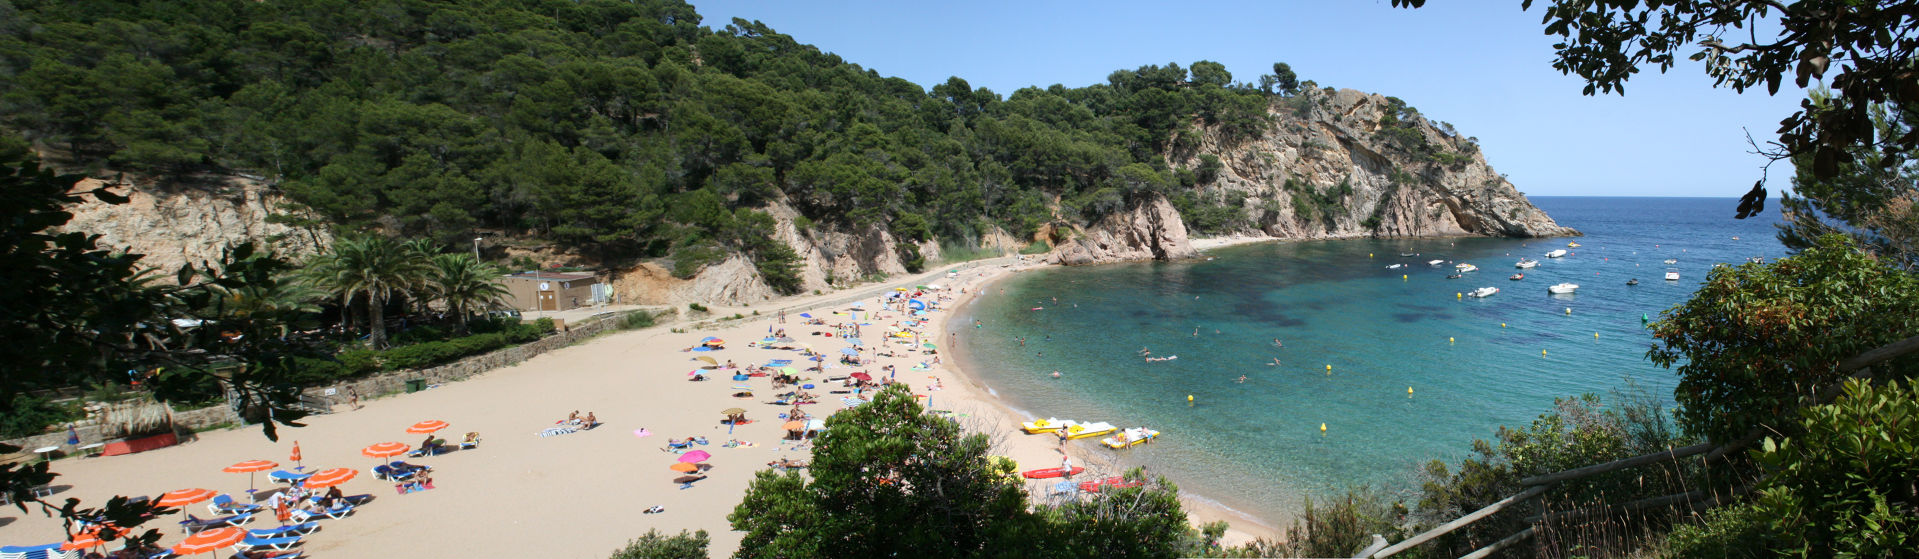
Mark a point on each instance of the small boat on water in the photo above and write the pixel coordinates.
(1517, 277)
(1524, 263)
(1464, 267)
(1089, 430)
(1130, 437)
(1395, 266)
(1755, 259)
(1672, 261)
(1562, 288)
(1672, 274)
(1574, 244)
(1046, 473)
(1047, 425)
(1556, 253)
(1483, 292)
(1435, 262)
(1634, 281)
(1407, 255)
(1455, 276)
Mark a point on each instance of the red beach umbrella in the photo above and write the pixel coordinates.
(862, 376)
(249, 467)
(427, 426)
(330, 478)
(206, 541)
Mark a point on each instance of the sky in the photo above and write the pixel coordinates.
(1485, 67)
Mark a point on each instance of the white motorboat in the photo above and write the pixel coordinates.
(1395, 266)
(1672, 274)
(1435, 262)
(1464, 267)
(1483, 292)
(1525, 263)
(1671, 261)
(1556, 253)
(1562, 288)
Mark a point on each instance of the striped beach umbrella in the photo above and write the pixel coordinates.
(249, 467)
(89, 538)
(330, 478)
(206, 541)
(427, 426)
(385, 450)
(184, 497)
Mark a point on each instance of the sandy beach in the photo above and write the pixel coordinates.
(583, 494)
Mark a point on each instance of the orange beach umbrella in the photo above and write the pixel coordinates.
(794, 425)
(427, 426)
(249, 467)
(386, 449)
(206, 541)
(183, 497)
(330, 478)
(88, 538)
(684, 467)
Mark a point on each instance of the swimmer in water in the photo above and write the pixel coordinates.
(1277, 344)
(1055, 374)
(1242, 379)
(1195, 332)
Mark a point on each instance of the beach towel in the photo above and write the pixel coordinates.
(852, 402)
(560, 430)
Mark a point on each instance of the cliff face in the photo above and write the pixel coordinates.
(1149, 230)
(1329, 167)
(178, 226)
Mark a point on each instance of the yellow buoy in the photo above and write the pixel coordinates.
(1595, 335)
(1459, 295)
(1322, 428)
(1569, 310)
(1329, 369)
(1369, 255)
(1402, 277)
(1542, 353)
(1449, 339)
(1409, 392)
(1189, 398)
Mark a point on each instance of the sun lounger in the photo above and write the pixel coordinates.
(301, 529)
(224, 504)
(34, 551)
(195, 524)
(286, 477)
(339, 510)
(281, 543)
(264, 554)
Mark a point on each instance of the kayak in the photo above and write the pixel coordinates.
(1049, 473)
(1114, 482)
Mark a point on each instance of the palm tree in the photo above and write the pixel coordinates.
(373, 266)
(466, 284)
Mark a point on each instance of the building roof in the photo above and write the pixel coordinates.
(553, 276)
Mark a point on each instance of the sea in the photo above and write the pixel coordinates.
(1305, 368)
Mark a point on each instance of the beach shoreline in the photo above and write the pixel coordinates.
(1000, 421)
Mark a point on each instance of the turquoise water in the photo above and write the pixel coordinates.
(1256, 446)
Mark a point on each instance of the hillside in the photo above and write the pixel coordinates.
(724, 163)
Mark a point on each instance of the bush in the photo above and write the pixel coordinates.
(696, 307)
(1731, 531)
(638, 319)
(1343, 528)
(655, 545)
(32, 415)
(359, 361)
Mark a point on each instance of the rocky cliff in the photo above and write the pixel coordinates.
(1352, 164)
(174, 226)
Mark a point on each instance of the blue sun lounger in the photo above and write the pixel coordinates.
(277, 544)
(32, 551)
(284, 531)
(286, 477)
(195, 524)
(224, 504)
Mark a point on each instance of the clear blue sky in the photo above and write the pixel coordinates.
(1484, 66)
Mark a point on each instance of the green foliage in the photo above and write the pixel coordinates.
(1870, 198)
(1756, 339)
(689, 260)
(889, 479)
(1342, 529)
(654, 545)
(1728, 532)
(369, 269)
(1206, 216)
(1579, 432)
(696, 307)
(1844, 487)
(638, 319)
(30, 415)
(1209, 167)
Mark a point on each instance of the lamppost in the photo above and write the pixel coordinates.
(476, 248)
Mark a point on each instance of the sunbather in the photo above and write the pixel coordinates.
(591, 420)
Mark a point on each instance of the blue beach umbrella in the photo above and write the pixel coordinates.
(849, 351)
(916, 304)
(806, 315)
(707, 339)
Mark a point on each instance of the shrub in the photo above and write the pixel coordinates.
(638, 319)
(655, 545)
(32, 415)
(1342, 526)
(696, 307)
(359, 361)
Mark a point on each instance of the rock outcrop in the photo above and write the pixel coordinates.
(191, 224)
(1149, 230)
(1337, 164)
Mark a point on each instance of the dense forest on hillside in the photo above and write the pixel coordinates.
(625, 129)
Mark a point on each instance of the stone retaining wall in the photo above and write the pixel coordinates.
(370, 387)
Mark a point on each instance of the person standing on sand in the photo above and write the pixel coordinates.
(353, 397)
(1066, 465)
